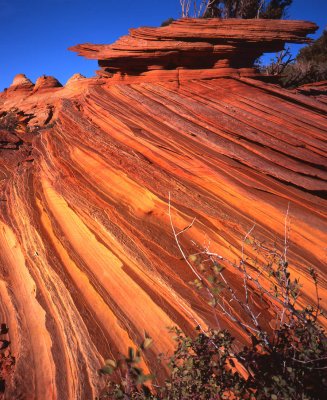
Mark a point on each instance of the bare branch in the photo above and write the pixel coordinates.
(187, 228)
(244, 265)
(261, 4)
(195, 272)
(194, 8)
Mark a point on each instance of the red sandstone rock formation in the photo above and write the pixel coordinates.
(88, 261)
(317, 90)
(21, 83)
(196, 43)
(46, 82)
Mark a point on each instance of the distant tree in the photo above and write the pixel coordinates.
(279, 64)
(309, 66)
(238, 8)
(315, 52)
(274, 9)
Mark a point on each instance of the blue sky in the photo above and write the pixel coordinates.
(35, 34)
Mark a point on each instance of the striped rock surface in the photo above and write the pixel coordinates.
(88, 259)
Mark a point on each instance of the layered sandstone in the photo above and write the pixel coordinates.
(46, 82)
(21, 83)
(88, 260)
(316, 90)
(196, 44)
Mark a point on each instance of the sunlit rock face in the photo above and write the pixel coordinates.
(21, 82)
(46, 82)
(224, 46)
(88, 260)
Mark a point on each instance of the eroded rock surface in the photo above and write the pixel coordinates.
(196, 44)
(88, 261)
(316, 90)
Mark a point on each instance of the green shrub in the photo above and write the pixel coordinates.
(309, 66)
(288, 361)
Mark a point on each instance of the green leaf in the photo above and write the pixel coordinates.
(107, 370)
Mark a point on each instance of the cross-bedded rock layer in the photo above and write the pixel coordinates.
(88, 259)
(196, 44)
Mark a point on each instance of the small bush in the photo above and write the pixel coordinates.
(309, 66)
(287, 361)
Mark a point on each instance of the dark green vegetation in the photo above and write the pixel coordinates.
(247, 9)
(286, 359)
(273, 9)
(310, 64)
(316, 52)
